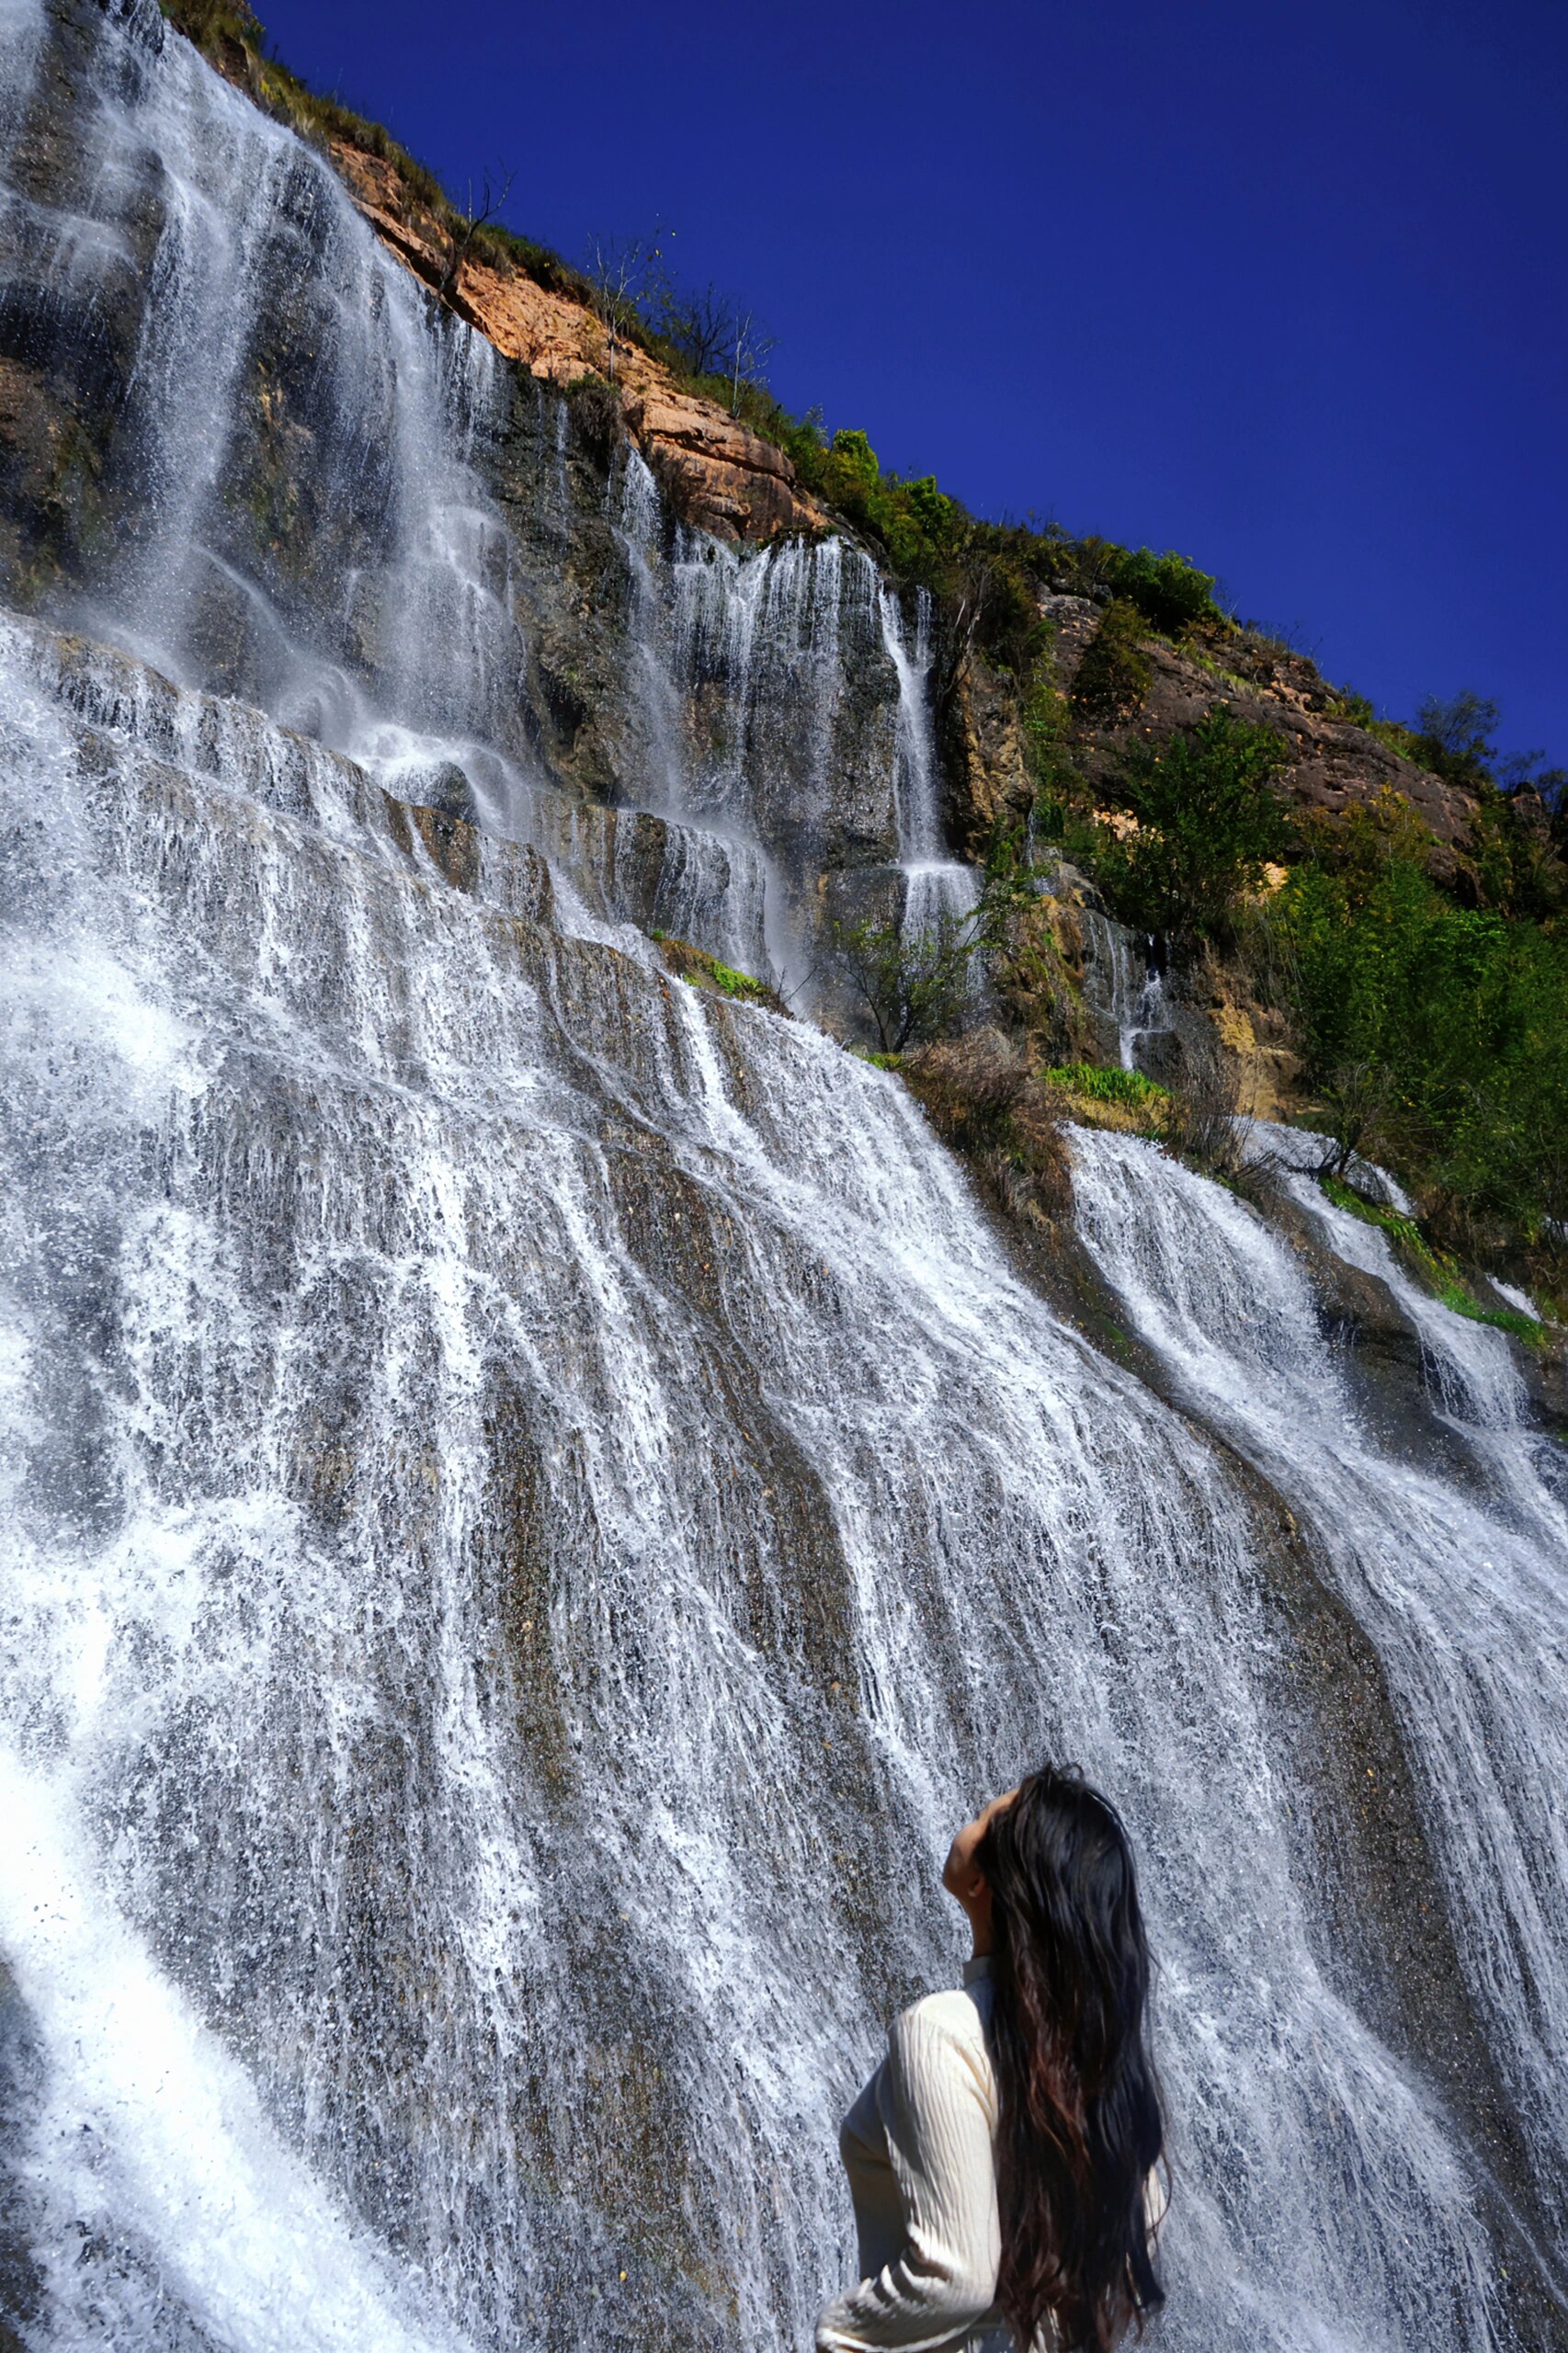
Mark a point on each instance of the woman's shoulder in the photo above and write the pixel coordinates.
(936, 2054)
(952, 2016)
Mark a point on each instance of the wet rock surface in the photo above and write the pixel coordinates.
(544, 1492)
(720, 475)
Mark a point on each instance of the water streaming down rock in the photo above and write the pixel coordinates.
(1460, 1585)
(778, 709)
(1124, 987)
(318, 494)
(531, 1393)
(936, 888)
(535, 1499)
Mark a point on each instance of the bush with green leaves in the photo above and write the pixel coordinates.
(1464, 1010)
(914, 984)
(1209, 819)
(1169, 590)
(1115, 673)
(919, 986)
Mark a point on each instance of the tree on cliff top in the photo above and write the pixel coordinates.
(1209, 819)
(629, 282)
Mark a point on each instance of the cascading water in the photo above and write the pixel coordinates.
(722, 644)
(1124, 984)
(936, 888)
(748, 666)
(1460, 1586)
(535, 1500)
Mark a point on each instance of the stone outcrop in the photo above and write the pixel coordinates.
(1073, 620)
(1334, 765)
(719, 474)
(981, 740)
(716, 472)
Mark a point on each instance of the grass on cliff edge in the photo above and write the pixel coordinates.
(702, 971)
(1437, 1269)
(1125, 1090)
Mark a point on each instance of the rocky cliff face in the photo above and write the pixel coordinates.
(1333, 765)
(720, 476)
(538, 1493)
(315, 570)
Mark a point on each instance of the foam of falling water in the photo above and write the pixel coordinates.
(536, 1502)
(401, 648)
(152, 2174)
(1518, 1300)
(667, 651)
(1462, 1592)
(919, 827)
(354, 1170)
(1148, 1015)
(741, 662)
(935, 887)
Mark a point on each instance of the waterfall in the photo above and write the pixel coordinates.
(751, 665)
(935, 886)
(701, 627)
(1123, 986)
(536, 1500)
(1458, 1582)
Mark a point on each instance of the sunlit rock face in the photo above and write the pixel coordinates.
(534, 1497)
(242, 441)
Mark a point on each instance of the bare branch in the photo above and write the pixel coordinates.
(629, 281)
(473, 220)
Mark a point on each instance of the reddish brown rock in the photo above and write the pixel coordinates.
(719, 474)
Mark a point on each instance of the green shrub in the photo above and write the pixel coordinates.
(1114, 675)
(1105, 1083)
(207, 22)
(743, 984)
(1454, 738)
(1051, 758)
(1465, 1009)
(914, 984)
(1208, 822)
(1169, 590)
(938, 515)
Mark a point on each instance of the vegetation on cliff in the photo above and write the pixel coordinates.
(1456, 1019)
(1423, 981)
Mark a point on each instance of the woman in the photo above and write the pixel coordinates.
(1001, 2158)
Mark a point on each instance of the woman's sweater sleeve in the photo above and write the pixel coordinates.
(935, 2108)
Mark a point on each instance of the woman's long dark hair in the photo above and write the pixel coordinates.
(1079, 2125)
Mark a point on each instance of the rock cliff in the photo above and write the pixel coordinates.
(720, 476)
(539, 1489)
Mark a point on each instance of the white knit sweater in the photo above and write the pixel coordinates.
(917, 2146)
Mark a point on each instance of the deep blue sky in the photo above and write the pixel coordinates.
(1282, 283)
